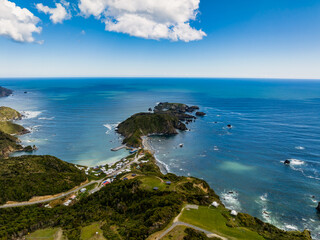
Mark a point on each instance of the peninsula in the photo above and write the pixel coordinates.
(5, 92)
(132, 199)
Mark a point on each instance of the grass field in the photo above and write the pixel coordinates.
(92, 232)
(175, 234)
(149, 182)
(46, 234)
(10, 128)
(212, 220)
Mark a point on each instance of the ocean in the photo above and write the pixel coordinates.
(272, 120)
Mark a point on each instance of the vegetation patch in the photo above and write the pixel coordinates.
(213, 220)
(178, 233)
(92, 232)
(8, 144)
(12, 128)
(47, 234)
(8, 114)
(23, 177)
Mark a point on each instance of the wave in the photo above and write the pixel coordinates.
(34, 128)
(30, 114)
(266, 214)
(299, 147)
(215, 148)
(290, 227)
(163, 166)
(295, 162)
(46, 118)
(110, 127)
(231, 201)
(264, 197)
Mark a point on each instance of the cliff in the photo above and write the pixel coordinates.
(8, 114)
(8, 144)
(5, 92)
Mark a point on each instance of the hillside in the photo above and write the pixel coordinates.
(23, 177)
(5, 92)
(130, 208)
(142, 124)
(12, 128)
(8, 144)
(165, 119)
(8, 114)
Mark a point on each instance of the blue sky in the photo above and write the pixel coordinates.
(245, 39)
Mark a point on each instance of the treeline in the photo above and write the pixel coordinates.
(137, 213)
(23, 177)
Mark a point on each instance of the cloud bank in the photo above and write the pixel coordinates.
(57, 14)
(150, 19)
(17, 23)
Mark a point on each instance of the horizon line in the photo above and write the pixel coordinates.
(158, 77)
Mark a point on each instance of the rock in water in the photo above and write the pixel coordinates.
(318, 207)
(287, 162)
(200, 114)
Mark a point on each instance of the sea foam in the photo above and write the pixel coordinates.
(110, 127)
(30, 114)
(230, 200)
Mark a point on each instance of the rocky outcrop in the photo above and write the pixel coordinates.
(8, 144)
(174, 107)
(5, 92)
(8, 114)
(318, 207)
(287, 162)
(200, 114)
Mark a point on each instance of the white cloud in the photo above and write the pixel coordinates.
(17, 23)
(58, 14)
(152, 19)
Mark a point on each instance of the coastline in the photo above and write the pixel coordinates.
(147, 146)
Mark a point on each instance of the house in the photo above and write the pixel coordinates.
(215, 204)
(156, 188)
(83, 190)
(67, 203)
(168, 183)
(234, 213)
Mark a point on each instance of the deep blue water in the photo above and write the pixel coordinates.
(272, 121)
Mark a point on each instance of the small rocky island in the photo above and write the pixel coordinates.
(165, 119)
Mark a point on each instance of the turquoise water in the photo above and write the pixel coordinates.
(272, 121)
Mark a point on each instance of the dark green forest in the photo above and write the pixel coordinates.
(23, 177)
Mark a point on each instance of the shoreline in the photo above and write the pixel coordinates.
(147, 146)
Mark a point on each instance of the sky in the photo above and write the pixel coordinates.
(160, 38)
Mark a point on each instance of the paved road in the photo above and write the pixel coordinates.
(209, 234)
(21, 204)
(97, 188)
